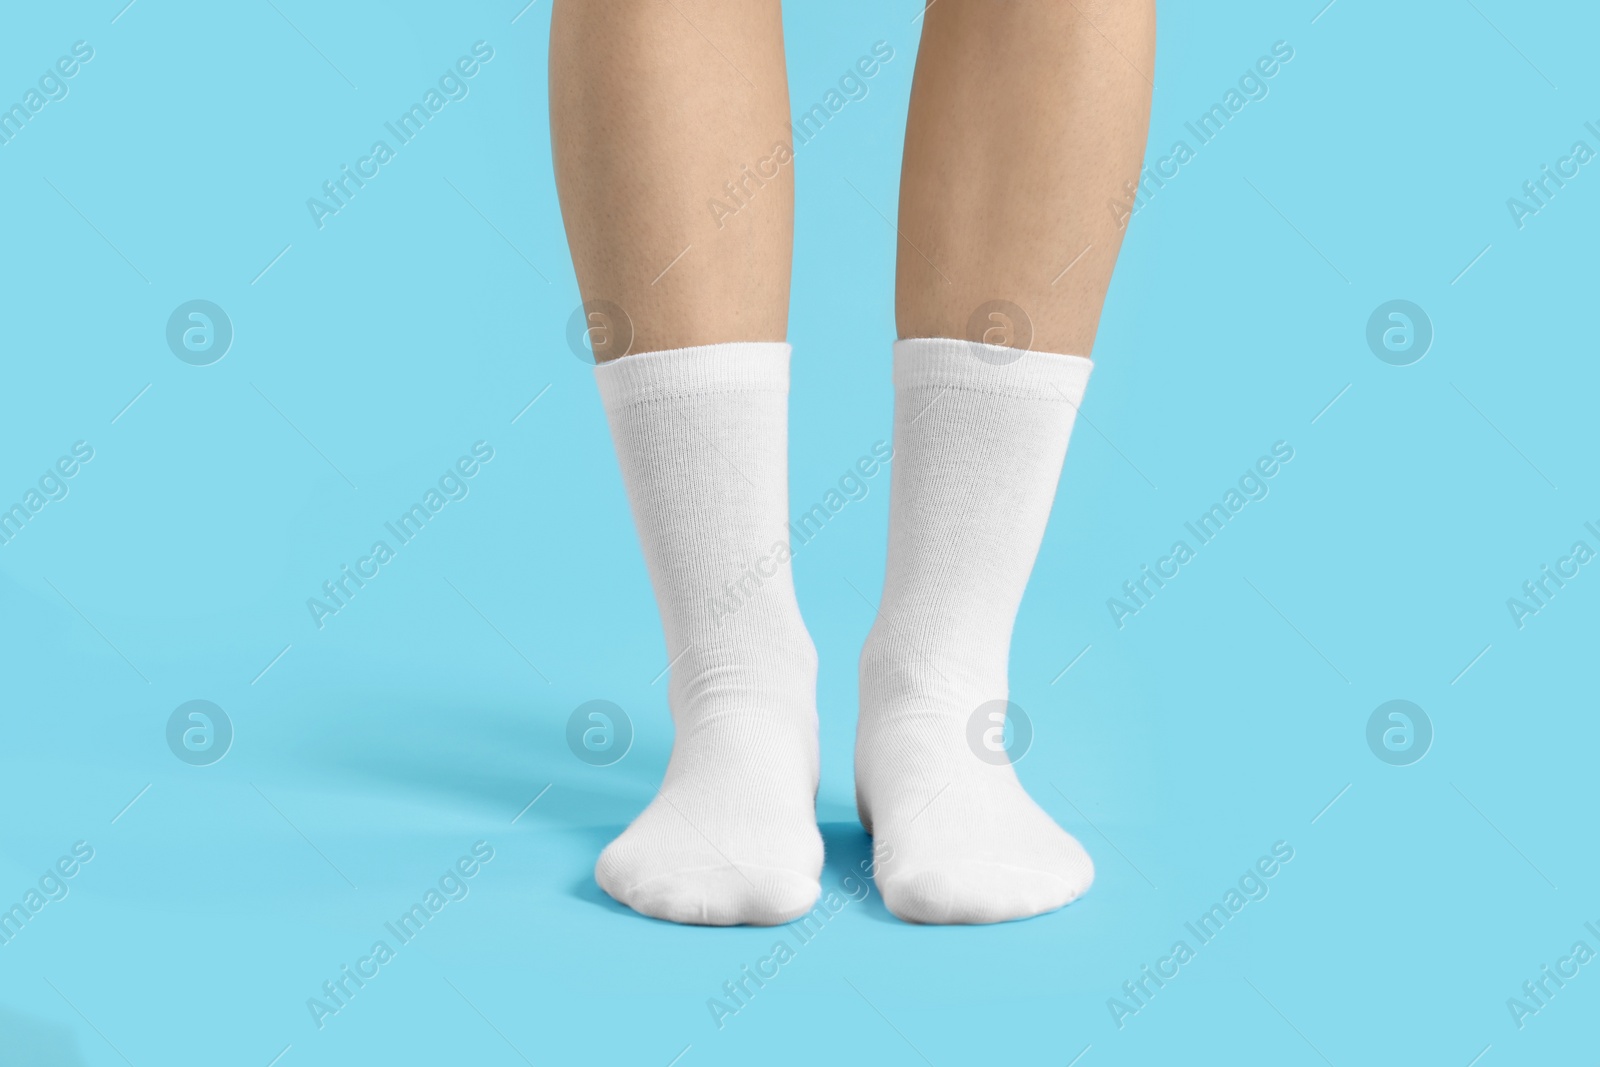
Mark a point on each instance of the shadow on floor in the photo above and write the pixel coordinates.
(495, 759)
(36, 1042)
(848, 853)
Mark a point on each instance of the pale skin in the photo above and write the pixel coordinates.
(1027, 119)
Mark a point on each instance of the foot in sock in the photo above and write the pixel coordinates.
(980, 435)
(731, 836)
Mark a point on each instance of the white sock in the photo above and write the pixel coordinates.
(980, 433)
(731, 837)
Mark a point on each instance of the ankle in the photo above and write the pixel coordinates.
(901, 678)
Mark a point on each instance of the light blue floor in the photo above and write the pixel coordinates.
(1228, 717)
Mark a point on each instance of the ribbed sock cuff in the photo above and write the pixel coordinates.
(948, 363)
(734, 367)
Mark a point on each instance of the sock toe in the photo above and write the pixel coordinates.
(722, 895)
(975, 892)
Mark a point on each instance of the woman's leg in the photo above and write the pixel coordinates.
(1027, 118)
(670, 125)
(656, 108)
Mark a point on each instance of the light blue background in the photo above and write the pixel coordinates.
(427, 315)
